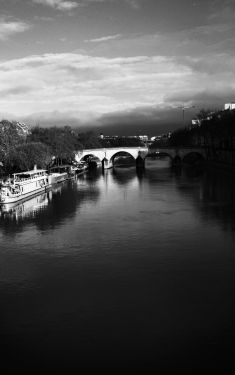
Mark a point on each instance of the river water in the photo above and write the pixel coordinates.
(120, 270)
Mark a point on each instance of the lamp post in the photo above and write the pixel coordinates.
(183, 111)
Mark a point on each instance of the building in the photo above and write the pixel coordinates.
(143, 138)
(195, 123)
(229, 106)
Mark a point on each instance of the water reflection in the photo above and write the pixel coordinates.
(23, 209)
(123, 175)
(217, 199)
(50, 209)
(157, 162)
(212, 193)
(91, 177)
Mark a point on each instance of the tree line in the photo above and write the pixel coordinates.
(46, 146)
(43, 146)
(213, 130)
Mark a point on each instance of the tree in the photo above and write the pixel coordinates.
(9, 139)
(26, 155)
(121, 142)
(89, 140)
(204, 114)
(181, 137)
(63, 142)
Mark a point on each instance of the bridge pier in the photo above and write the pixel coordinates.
(140, 162)
(107, 164)
(176, 161)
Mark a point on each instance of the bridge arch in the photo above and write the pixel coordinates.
(92, 159)
(107, 155)
(88, 156)
(181, 154)
(122, 154)
(193, 157)
(159, 159)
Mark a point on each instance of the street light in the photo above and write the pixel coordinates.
(183, 110)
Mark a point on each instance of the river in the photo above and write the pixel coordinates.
(120, 270)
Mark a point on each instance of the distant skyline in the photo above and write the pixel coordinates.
(115, 63)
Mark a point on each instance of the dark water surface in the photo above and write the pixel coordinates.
(120, 271)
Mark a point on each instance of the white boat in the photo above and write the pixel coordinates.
(23, 185)
(79, 167)
(25, 208)
(60, 173)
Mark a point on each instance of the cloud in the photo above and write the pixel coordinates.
(58, 4)
(211, 29)
(104, 38)
(142, 120)
(15, 90)
(91, 87)
(213, 99)
(134, 3)
(222, 11)
(69, 5)
(98, 85)
(9, 27)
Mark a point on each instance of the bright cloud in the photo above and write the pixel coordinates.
(58, 4)
(68, 5)
(133, 3)
(94, 86)
(104, 38)
(9, 28)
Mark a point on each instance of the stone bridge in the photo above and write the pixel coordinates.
(107, 155)
(180, 154)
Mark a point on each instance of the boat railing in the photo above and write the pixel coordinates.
(17, 179)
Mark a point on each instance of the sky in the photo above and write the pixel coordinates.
(123, 65)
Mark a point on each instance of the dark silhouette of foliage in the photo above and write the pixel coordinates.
(9, 139)
(181, 137)
(24, 156)
(9, 136)
(89, 140)
(215, 129)
(63, 142)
